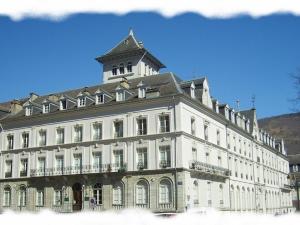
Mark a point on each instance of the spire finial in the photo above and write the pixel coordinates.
(130, 31)
(253, 101)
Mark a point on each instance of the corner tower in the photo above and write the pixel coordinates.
(128, 59)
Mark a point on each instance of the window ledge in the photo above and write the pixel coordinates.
(120, 76)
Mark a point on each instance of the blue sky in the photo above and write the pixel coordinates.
(241, 57)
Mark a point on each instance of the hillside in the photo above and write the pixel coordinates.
(285, 126)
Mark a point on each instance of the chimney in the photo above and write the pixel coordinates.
(33, 96)
(15, 107)
(53, 98)
(124, 83)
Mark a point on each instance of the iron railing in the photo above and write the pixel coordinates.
(84, 169)
(208, 168)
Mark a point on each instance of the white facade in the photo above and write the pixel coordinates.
(167, 149)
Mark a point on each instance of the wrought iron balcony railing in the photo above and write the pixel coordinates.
(84, 169)
(164, 163)
(8, 174)
(208, 168)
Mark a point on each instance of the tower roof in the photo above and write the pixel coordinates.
(129, 45)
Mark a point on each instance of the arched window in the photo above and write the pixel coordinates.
(196, 193)
(238, 198)
(165, 191)
(22, 196)
(7, 196)
(129, 67)
(221, 195)
(118, 194)
(98, 193)
(121, 68)
(232, 198)
(114, 70)
(142, 192)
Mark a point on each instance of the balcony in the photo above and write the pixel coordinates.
(141, 166)
(209, 169)
(164, 164)
(23, 173)
(84, 169)
(8, 174)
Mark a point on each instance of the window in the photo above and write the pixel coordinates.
(78, 129)
(165, 192)
(193, 126)
(121, 68)
(98, 193)
(81, 101)
(77, 161)
(195, 193)
(118, 129)
(142, 193)
(219, 161)
(97, 160)
(209, 194)
(164, 123)
(295, 168)
(28, 111)
(57, 197)
(118, 194)
(23, 167)
(141, 126)
(142, 161)
(63, 104)
(165, 157)
(46, 108)
(25, 140)
(120, 96)
(8, 168)
(41, 165)
(118, 158)
(60, 136)
(207, 158)
(42, 138)
(22, 197)
(39, 198)
(221, 195)
(59, 164)
(129, 67)
(218, 137)
(97, 131)
(7, 197)
(194, 154)
(114, 70)
(206, 132)
(228, 141)
(10, 142)
(99, 98)
(142, 92)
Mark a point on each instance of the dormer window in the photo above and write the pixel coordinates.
(28, 110)
(121, 68)
(192, 90)
(81, 101)
(114, 70)
(129, 67)
(46, 108)
(99, 99)
(120, 96)
(63, 104)
(142, 92)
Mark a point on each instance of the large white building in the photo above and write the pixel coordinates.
(140, 139)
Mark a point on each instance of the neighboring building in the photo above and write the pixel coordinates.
(294, 176)
(140, 139)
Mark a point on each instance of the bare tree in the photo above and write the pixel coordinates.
(296, 100)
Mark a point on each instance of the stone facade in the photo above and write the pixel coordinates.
(140, 139)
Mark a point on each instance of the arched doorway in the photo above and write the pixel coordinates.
(77, 196)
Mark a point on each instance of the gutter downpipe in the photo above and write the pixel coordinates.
(175, 158)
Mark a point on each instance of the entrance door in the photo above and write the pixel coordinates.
(77, 197)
